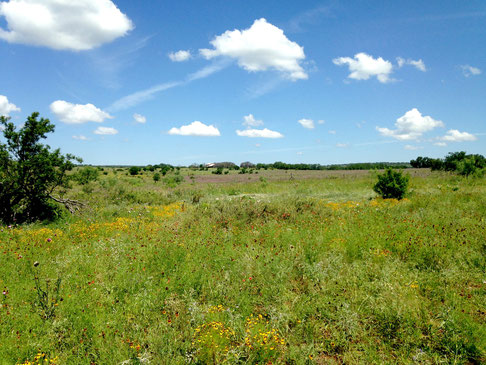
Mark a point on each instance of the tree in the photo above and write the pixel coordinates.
(156, 177)
(392, 184)
(30, 172)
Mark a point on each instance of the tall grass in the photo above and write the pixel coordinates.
(298, 272)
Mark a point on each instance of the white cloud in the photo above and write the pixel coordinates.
(261, 47)
(307, 123)
(321, 121)
(139, 118)
(470, 70)
(418, 64)
(63, 24)
(411, 126)
(6, 107)
(259, 133)
(80, 138)
(250, 121)
(440, 144)
(180, 56)
(453, 135)
(105, 131)
(364, 66)
(342, 145)
(332, 132)
(410, 147)
(196, 128)
(77, 113)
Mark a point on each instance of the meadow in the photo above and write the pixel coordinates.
(271, 268)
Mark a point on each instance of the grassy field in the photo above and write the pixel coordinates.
(269, 268)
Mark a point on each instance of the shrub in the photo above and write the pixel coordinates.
(156, 177)
(86, 175)
(134, 170)
(392, 184)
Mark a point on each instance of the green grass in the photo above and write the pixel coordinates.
(281, 271)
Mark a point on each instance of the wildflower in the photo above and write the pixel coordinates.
(49, 239)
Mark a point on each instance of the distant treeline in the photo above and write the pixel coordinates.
(459, 162)
(352, 166)
(279, 166)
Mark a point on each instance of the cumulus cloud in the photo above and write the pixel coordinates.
(180, 56)
(63, 24)
(105, 131)
(453, 135)
(259, 133)
(196, 128)
(418, 64)
(321, 121)
(307, 123)
(261, 47)
(7, 107)
(411, 126)
(80, 138)
(468, 70)
(250, 121)
(139, 118)
(77, 113)
(364, 66)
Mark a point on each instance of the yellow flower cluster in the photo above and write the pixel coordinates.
(40, 359)
(387, 202)
(37, 235)
(258, 336)
(216, 309)
(120, 224)
(166, 211)
(215, 336)
(344, 205)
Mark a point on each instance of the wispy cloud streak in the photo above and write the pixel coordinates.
(139, 97)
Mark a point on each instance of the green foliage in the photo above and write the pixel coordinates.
(470, 166)
(174, 180)
(392, 184)
(156, 177)
(86, 174)
(460, 162)
(218, 171)
(30, 172)
(134, 170)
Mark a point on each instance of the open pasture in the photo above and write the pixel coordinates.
(313, 269)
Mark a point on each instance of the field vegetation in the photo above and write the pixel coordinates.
(282, 268)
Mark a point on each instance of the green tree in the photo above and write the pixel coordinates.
(156, 177)
(30, 172)
(392, 184)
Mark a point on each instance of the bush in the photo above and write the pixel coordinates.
(134, 170)
(86, 174)
(392, 184)
(30, 172)
(156, 177)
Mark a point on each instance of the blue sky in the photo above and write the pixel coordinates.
(129, 82)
